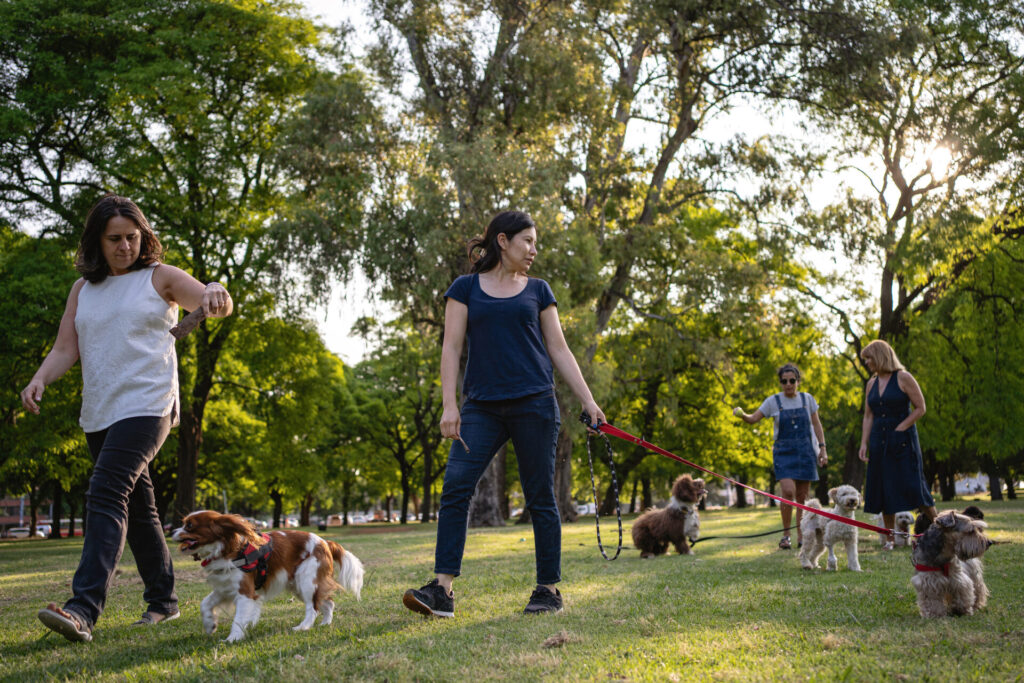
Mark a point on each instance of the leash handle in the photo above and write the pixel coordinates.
(615, 488)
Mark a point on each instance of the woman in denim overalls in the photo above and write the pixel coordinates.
(799, 443)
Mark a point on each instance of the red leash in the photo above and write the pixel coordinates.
(608, 429)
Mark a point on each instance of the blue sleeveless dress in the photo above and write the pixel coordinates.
(895, 477)
(793, 455)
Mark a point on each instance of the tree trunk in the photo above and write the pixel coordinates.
(485, 506)
(632, 499)
(404, 517)
(947, 481)
(563, 468)
(625, 468)
(501, 466)
(72, 509)
(995, 487)
(428, 483)
(304, 508)
(1011, 492)
(190, 437)
(58, 503)
(85, 510)
(387, 505)
(524, 517)
(33, 507)
(771, 487)
(741, 493)
(820, 490)
(278, 499)
(645, 483)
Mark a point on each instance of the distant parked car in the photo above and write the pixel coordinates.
(291, 523)
(358, 519)
(23, 532)
(335, 520)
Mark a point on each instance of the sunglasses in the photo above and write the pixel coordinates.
(791, 380)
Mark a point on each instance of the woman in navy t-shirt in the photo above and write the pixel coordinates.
(510, 322)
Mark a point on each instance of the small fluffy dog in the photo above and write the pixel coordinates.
(675, 523)
(245, 569)
(947, 559)
(820, 532)
(903, 521)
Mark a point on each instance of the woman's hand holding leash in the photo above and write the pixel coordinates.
(451, 421)
(592, 412)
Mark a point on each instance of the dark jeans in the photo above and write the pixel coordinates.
(532, 423)
(121, 505)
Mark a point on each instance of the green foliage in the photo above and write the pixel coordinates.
(36, 449)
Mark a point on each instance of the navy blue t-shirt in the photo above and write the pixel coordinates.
(507, 356)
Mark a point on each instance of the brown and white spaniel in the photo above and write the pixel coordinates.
(246, 568)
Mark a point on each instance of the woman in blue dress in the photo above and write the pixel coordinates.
(889, 443)
(510, 323)
(799, 443)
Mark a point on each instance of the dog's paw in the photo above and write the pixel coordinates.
(234, 638)
(209, 627)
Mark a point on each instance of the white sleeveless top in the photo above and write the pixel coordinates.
(129, 366)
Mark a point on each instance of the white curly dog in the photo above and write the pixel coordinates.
(820, 532)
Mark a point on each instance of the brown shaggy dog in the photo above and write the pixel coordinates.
(678, 521)
(949, 578)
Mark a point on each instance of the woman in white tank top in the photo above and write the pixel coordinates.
(117, 321)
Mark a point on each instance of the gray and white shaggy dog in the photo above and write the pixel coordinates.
(902, 522)
(820, 532)
(948, 575)
(678, 521)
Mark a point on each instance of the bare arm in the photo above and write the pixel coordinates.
(913, 391)
(62, 356)
(178, 287)
(751, 418)
(819, 432)
(869, 418)
(455, 316)
(565, 362)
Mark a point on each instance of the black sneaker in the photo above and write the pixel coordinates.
(543, 600)
(430, 600)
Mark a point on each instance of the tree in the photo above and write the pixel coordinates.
(47, 450)
(185, 107)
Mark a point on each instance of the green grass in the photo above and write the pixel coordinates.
(734, 610)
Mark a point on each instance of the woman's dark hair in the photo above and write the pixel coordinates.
(508, 222)
(89, 260)
(788, 367)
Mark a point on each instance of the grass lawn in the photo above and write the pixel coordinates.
(734, 610)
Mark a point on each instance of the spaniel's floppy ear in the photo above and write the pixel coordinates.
(236, 525)
(832, 493)
(946, 519)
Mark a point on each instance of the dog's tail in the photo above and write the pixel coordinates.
(348, 570)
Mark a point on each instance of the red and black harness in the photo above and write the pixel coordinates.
(252, 559)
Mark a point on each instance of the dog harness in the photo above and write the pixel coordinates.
(928, 568)
(252, 559)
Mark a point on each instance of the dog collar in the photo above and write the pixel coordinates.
(928, 568)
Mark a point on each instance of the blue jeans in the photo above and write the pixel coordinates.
(532, 423)
(121, 506)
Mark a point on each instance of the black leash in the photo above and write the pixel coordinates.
(767, 533)
(585, 419)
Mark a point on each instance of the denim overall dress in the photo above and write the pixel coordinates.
(895, 477)
(793, 455)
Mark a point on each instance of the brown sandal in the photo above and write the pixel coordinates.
(68, 624)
